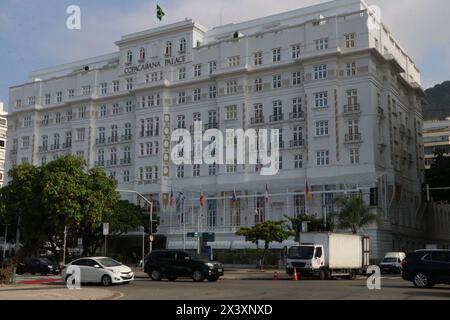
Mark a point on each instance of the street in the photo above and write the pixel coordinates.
(393, 288)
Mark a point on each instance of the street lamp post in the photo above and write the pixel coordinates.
(4, 244)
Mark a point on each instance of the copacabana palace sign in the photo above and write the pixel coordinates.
(155, 65)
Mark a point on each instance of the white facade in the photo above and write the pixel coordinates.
(436, 138)
(332, 77)
(3, 128)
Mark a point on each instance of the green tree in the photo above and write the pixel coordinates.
(269, 231)
(355, 214)
(315, 224)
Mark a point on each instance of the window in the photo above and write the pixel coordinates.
(354, 156)
(296, 78)
(296, 51)
(103, 111)
(181, 123)
(276, 81)
(298, 161)
(321, 100)
(115, 109)
(116, 86)
(276, 55)
(69, 115)
(71, 93)
(196, 170)
(352, 97)
(212, 66)
(197, 70)
(277, 111)
(257, 58)
(168, 49)
(231, 112)
(258, 84)
(299, 205)
(181, 97)
(182, 45)
(297, 107)
(47, 98)
(81, 112)
(320, 72)
(298, 136)
(104, 88)
(59, 97)
(350, 41)
(212, 169)
(126, 176)
(212, 92)
(142, 54)
(353, 130)
(321, 128)
(211, 213)
(180, 171)
(234, 61)
(259, 113)
(321, 44)
(31, 100)
(86, 90)
(80, 154)
(81, 134)
(130, 84)
(182, 73)
(323, 158)
(25, 142)
(351, 69)
(231, 87)
(129, 57)
(18, 103)
(129, 106)
(197, 94)
(57, 117)
(27, 122)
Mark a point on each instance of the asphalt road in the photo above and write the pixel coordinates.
(392, 288)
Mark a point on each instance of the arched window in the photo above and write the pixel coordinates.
(168, 51)
(142, 54)
(182, 46)
(129, 56)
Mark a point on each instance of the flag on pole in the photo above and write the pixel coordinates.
(159, 12)
(171, 198)
(234, 198)
(202, 200)
(308, 194)
(267, 194)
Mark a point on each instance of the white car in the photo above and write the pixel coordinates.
(102, 270)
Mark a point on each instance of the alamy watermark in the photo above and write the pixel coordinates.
(73, 278)
(73, 22)
(238, 147)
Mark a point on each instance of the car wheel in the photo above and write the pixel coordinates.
(106, 280)
(156, 275)
(172, 278)
(213, 278)
(421, 280)
(198, 275)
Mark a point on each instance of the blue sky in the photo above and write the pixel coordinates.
(33, 33)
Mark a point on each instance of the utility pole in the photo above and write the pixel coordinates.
(4, 244)
(151, 228)
(64, 246)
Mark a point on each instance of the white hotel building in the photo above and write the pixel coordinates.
(345, 95)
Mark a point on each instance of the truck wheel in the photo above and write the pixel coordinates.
(322, 275)
(352, 275)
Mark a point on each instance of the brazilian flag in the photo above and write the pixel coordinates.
(159, 13)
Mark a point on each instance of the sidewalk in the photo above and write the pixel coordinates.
(55, 291)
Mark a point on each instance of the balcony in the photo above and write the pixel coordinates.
(42, 149)
(276, 117)
(55, 146)
(100, 163)
(297, 115)
(352, 109)
(111, 163)
(257, 120)
(100, 141)
(113, 139)
(297, 143)
(350, 138)
(67, 145)
(125, 161)
(126, 138)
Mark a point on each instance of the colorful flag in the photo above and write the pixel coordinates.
(267, 194)
(234, 195)
(159, 12)
(171, 198)
(202, 200)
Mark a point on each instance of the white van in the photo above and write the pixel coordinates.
(392, 262)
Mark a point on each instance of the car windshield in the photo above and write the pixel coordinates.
(108, 262)
(390, 260)
(302, 252)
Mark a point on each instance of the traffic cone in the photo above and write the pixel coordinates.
(295, 275)
(275, 276)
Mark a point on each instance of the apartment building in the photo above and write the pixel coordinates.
(3, 128)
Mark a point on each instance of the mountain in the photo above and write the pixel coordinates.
(438, 102)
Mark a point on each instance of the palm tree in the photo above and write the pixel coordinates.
(355, 214)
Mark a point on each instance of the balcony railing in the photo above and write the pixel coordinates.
(67, 145)
(298, 143)
(113, 139)
(352, 108)
(257, 120)
(100, 163)
(42, 149)
(55, 147)
(276, 117)
(126, 137)
(297, 115)
(125, 161)
(111, 162)
(100, 141)
(356, 137)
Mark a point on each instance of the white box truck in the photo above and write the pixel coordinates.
(327, 255)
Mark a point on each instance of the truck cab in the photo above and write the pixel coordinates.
(306, 259)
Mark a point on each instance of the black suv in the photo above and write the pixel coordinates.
(174, 264)
(425, 268)
(43, 266)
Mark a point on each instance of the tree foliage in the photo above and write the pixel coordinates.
(355, 214)
(315, 224)
(269, 231)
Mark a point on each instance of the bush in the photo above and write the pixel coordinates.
(6, 275)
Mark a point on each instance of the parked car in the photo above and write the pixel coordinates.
(176, 264)
(426, 268)
(42, 266)
(392, 262)
(102, 270)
